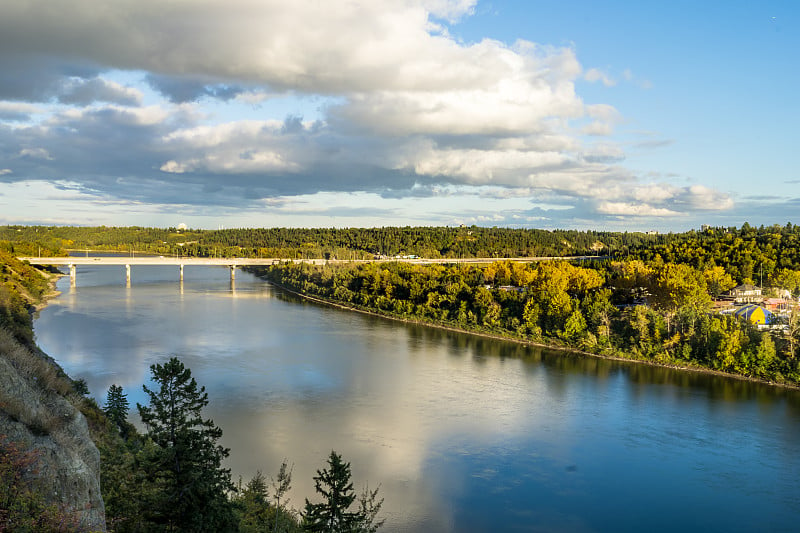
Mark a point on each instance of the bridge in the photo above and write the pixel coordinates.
(73, 262)
(235, 262)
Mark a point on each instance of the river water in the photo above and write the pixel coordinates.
(461, 433)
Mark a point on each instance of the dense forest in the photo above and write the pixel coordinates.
(657, 311)
(297, 243)
(766, 256)
(769, 255)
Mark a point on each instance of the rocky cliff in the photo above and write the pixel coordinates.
(37, 411)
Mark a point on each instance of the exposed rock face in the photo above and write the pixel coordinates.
(68, 469)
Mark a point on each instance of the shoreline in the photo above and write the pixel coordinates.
(52, 278)
(517, 340)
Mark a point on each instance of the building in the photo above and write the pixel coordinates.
(774, 304)
(745, 294)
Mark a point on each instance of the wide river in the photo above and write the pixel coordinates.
(461, 433)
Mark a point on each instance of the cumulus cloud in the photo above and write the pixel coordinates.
(409, 110)
(384, 45)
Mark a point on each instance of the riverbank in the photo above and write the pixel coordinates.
(528, 342)
(52, 293)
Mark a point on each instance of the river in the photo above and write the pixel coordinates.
(461, 433)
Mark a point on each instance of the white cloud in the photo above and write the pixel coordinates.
(407, 109)
(315, 46)
(510, 168)
(630, 209)
(595, 74)
(629, 76)
(174, 167)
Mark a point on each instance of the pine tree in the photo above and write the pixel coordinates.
(184, 464)
(280, 486)
(116, 408)
(333, 483)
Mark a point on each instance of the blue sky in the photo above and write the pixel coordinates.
(572, 114)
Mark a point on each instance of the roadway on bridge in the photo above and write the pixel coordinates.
(241, 261)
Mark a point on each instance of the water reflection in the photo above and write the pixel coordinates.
(463, 433)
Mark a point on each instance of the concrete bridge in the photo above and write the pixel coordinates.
(128, 262)
(234, 262)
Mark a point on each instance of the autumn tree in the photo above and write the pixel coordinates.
(679, 287)
(718, 280)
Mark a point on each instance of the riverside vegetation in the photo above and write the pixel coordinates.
(595, 306)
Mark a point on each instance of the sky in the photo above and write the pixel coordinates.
(613, 115)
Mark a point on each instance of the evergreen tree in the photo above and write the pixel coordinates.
(368, 508)
(333, 483)
(116, 408)
(281, 485)
(184, 463)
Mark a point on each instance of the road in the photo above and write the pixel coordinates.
(241, 261)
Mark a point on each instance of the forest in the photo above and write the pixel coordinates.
(652, 311)
(298, 243)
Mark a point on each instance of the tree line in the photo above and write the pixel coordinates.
(656, 311)
(765, 256)
(340, 243)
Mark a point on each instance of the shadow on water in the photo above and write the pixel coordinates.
(717, 388)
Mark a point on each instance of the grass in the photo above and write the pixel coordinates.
(39, 374)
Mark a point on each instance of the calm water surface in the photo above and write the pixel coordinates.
(461, 433)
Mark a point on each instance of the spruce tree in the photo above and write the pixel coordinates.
(184, 463)
(116, 408)
(333, 483)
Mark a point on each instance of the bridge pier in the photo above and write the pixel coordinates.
(233, 272)
(181, 266)
(127, 275)
(73, 274)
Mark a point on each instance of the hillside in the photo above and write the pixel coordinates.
(49, 465)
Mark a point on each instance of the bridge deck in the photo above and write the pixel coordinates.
(241, 261)
(148, 260)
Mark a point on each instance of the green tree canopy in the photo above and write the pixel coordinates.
(185, 462)
(116, 407)
(333, 514)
